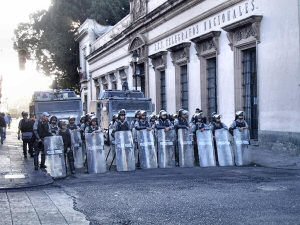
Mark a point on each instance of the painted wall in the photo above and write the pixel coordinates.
(279, 67)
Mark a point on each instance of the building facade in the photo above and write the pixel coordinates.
(218, 55)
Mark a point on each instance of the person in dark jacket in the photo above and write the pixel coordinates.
(2, 127)
(54, 125)
(41, 129)
(66, 136)
(26, 128)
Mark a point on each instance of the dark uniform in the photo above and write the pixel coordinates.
(41, 130)
(26, 128)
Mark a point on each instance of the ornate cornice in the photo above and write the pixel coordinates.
(180, 54)
(159, 60)
(207, 44)
(244, 31)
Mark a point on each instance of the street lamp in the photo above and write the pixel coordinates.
(135, 59)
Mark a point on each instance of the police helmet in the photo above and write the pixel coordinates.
(72, 118)
(137, 113)
(216, 116)
(180, 112)
(152, 116)
(63, 123)
(185, 113)
(94, 118)
(82, 119)
(162, 113)
(122, 112)
(115, 116)
(52, 118)
(143, 113)
(239, 113)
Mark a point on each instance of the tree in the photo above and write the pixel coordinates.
(49, 36)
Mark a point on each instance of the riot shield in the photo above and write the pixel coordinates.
(95, 152)
(125, 159)
(224, 150)
(241, 140)
(148, 156)
(186, 148)
(166, 148)
(206, 150)
(77, 149)
(55, 160)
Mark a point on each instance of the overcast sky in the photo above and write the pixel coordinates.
(17, 86)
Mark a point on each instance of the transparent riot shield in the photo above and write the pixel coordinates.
(241, 140)
(186, 148)
(206, 150)
(77, 149)
(148, 156)
(224, 150)
(125, 158)
(95, 152)
(55, 160)
(166, 148)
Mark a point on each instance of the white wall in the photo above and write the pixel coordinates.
(279, 67)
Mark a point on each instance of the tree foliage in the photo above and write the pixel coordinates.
(49, 36)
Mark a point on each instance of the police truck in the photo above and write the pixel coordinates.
(60, 103)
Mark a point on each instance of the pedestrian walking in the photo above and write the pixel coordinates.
(26, 128)
(8, 120)
(2, 127)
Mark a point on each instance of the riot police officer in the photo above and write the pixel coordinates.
(142, 123)
(152, 120)
(239, 122)
(121, 124)
(66, 136)
(163, 121)
(72, 125)
(93, 127)
(137, 115)
(182, 121)
(217, 123)
(41, 130)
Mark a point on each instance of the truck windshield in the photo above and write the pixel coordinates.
(131, 105)
(58, 106)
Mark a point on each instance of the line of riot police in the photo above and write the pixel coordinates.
(162, 141)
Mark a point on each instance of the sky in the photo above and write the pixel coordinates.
(18, 86)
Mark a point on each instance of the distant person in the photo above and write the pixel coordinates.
(26, 128)
(8, 120)
(2, 127)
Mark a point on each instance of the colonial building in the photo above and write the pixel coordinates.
(217, 55)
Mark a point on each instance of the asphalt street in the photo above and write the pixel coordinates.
(216, 195)
(247, 195)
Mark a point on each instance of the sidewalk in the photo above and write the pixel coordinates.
(15, 171)
(274, 158)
